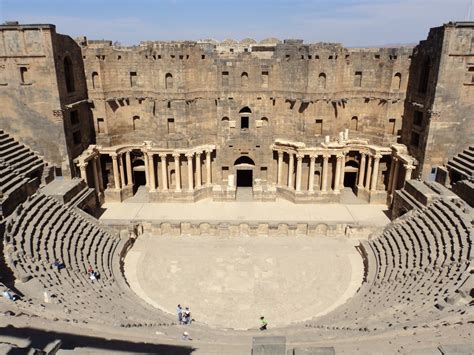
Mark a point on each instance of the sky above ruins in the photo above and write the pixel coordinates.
(351, 22)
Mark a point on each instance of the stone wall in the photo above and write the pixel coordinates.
(33, 94)
(438, 121)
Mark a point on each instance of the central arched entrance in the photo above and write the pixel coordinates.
(244, 171)
(350, 174)
(138, 169)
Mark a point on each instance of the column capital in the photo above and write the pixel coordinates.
(299, 156)
(408, 166)
(378, 156)
(189, 155)
(176, 155)
(162, 155)
(113, 155)
(208, 152)
(198, 153)
(82, 164)
(339, 156)
(326, 155)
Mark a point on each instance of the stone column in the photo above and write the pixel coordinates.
(177, 169)
(299, 168)
(375, 173)
(392, 172)
(164, 172)
(324, 179)
(280, 167)
(190, 171)
(198, 170)
(396, 169)
(343, 170)
(367, 172)
(83, 169)
(311, 173)
(408, 170)
(208, 168)
(290, 171)
(99, 171)
(96, 176)
(147, 170)
(122, 171)
(360, 182)
(129, 169)
(116, 172)
(337, 180)
(151, 173)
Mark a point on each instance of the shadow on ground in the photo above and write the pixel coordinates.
(39, 339)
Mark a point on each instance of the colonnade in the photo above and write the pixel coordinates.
(94, 161)
(123, 173)
(367, 174)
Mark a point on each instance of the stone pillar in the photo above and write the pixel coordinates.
(164, 172)
(208, 168)
(147, 170)
(151, 166)
(324, 179)
(360, 182)
(280, 167)
(367, 172)
(198, 170)
(129, 169)
(299, 168)
(343, 170)
(392, 172)
(408, 170)
(99, 173)
(83, 169)
(290, 171)
(337, 180)
(311, 173)
(116, 172)
(96, 176)
(122, 171)
(190, 171)
(177, 169)
(375, 173)
(396, 169)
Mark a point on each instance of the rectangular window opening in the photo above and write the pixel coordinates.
(170, 125)
(133, 78)
(74, 117)
(244, 123)
(76, 138)
(418, 118)
(318, 128)
(100, 125)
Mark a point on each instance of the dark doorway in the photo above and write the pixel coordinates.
(244, 178)
(139, 179)
(350, 179)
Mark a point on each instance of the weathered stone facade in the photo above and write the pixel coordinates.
(438, 121)
(198, 119)
(42, 84)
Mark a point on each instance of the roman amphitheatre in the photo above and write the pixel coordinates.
(327, 189)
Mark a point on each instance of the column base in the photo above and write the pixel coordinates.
(118, 195)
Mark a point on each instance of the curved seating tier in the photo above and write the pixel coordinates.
(43, 230)
(419, 272)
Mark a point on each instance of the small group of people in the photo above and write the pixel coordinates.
(184, 315)
(93, 275)
(10, 295)
(58, 265)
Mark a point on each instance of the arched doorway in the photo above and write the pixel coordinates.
(138, 168)
(244, 171)
(244, 114)
(351, 170)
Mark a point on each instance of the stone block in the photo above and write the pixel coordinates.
(269, 345)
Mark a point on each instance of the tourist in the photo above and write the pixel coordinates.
(92, 274)
(58, 265)
(186, 336)
(179, 312)
(10, 295)
(264, 323)
(187, 316)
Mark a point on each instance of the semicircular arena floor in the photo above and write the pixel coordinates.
(229, 282)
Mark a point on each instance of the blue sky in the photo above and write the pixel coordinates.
(353, 23)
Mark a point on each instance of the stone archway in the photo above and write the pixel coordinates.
(351, 170)
(244, 171)
(138, 169)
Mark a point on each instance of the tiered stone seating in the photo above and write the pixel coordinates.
(419, 271)
(463, 163)
(43, 230)
(19, 166)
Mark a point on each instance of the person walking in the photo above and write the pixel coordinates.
(187, 316)
(264, 323)
(179, 312)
